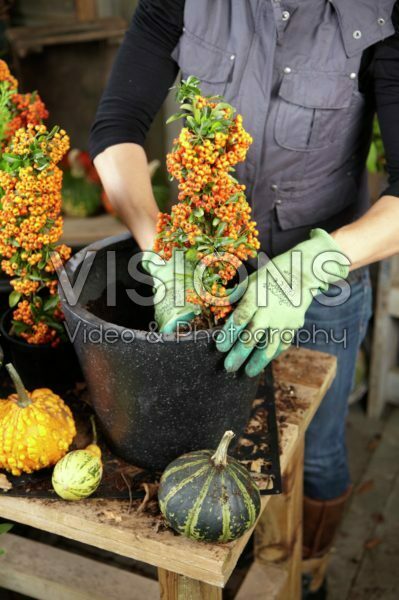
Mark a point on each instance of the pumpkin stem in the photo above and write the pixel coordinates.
(94, 430)
(220, 457)
(93, 448)
(23, 396)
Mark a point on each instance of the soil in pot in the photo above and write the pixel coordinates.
(41, 365)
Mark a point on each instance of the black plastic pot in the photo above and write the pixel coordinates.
(156, 395)
(40, 365)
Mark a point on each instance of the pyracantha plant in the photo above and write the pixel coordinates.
(212, 218)
(30, 215)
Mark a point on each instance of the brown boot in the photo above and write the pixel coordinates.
(321, 519)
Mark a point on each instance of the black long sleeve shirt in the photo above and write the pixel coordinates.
(144, 71)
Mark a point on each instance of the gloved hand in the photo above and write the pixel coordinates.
(171, 281)
(266, 310)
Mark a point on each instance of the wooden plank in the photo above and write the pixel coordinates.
(24, 40)
(47, 573)
(378, 569)
(393, 302)
(80, 232)
(305, 367)
(361, 524)
(392, 386)
(278, 536)
(135, 535)
(178, 587)
(262, 582)
(24, 34)
(395, 270)
(86, 10)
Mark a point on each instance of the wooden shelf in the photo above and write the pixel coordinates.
(81, 232)
(42, 571)
(25, 40)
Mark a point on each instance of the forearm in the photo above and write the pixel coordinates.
(124, 173)
(372, 237)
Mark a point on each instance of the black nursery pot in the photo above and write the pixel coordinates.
(40, 365)
(156, 396)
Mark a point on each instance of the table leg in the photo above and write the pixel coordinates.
(179, 587)
(278, 535)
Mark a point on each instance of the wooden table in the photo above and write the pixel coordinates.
(187, 570)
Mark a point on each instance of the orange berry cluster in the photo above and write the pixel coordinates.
(212, 218)
(5, 75)
(30, 228)
(17, 110)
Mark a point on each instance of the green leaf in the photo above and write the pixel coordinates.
(225, 241)
(38, 278)
(176, 117)
(12, 160)
(222, 105)
(187, 106)
(14, 298)
(192, 123)
(55, 325)
(5, 527)
(197, 114)
(233, 198)
(221, 227)
(51, 303)
(198, 212)
(18, 327)
(191, 254)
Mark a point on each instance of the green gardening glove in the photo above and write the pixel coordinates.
(274, 304)
(171, 281)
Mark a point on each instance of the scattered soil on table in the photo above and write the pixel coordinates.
(289, 407)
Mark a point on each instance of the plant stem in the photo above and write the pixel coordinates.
(94, 429)
(23, 396)
(220, 457)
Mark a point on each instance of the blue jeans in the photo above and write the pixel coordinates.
(326, 474)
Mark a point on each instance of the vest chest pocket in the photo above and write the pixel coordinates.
(213, 66)
(312, 109)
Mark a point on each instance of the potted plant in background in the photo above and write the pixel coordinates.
(163, 394)
(30, 228)
(81, 189)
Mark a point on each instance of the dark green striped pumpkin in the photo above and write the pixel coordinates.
(209, 496)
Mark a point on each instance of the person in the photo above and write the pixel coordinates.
(308, 77)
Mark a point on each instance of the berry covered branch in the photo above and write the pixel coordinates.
(30, 207)
(212, 219)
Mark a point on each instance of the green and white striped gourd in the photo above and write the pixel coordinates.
(209, 496)
(79, 473)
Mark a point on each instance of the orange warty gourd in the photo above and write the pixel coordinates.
(36, 428)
